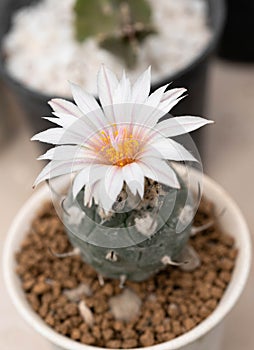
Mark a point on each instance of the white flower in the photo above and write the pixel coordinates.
(122, 142)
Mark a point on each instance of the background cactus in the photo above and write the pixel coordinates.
(119, 25)
(121, 246)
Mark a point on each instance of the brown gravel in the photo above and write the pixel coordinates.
(173, 301)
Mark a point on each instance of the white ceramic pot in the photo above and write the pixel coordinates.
(206, 336)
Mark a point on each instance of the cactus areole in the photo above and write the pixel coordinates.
(128, 211)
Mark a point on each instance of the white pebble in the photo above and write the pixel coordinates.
(76, 293)
(125, 306)
(86, 313)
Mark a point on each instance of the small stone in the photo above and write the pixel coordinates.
(220, 283)
(107, 334)
(86, 313)
(129, 343)
(163, 337)
(76, 293)
(211, 304)
(128, 334)
(71, 309)
(173, 310)
(43, 310)
(210, 276)
(27, 285)
(225, 276)
(108, 289)
(84, 328)
(192, 309)
(227, 240)
(216, 292)
(183, 308)
(158, 316)
(204, 312)
(118, 325)
(88, 339)
(159, 329)
(189, 323)
(176, 326)
(75, 321)
(75, 334)
(63, 328)
(96, 332)
(114, 344)
(34, 301)
(205, 291)
(147, 338)
(232, 254)
(226, 264)
(41, 288)
(50, 320)
(125, 306)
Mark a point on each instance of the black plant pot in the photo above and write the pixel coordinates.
(238, 35)
(193, 77)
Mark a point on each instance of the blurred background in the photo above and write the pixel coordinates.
(220, 79)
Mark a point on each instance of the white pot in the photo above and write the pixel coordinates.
(206, 336)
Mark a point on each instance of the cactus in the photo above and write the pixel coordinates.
(128, 211)
(118, 246)
(120, 26)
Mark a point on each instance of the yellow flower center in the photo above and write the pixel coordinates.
(119, 146)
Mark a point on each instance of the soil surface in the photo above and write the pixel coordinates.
(67, 294)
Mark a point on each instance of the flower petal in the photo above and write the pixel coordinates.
(89, 106)
(155, 98)
(157, 105)
(106, 85)
(89, 175)
(66, 107)
(113, 182)
(56, 168)
(88, 195)
(172, 150)
(141, 87)
(80, 180)
(134, 178)
(181, 125)
(64, 122)
(122, 93)
(58, 136)
(158, 170)
(172, 95)
(68, 153)
(110, 187)
(169, 99)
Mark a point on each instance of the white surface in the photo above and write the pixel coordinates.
(229, 160)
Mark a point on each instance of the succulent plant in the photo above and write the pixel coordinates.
(128, 211)
(131, 243)
(120, 26)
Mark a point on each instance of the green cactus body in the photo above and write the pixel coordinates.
(116, 248)
(119, 26)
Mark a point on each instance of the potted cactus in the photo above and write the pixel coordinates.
(128, 212)
(124, 191)
(131, 33)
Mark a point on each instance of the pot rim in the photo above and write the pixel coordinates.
(223, 308)
(217, 30)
